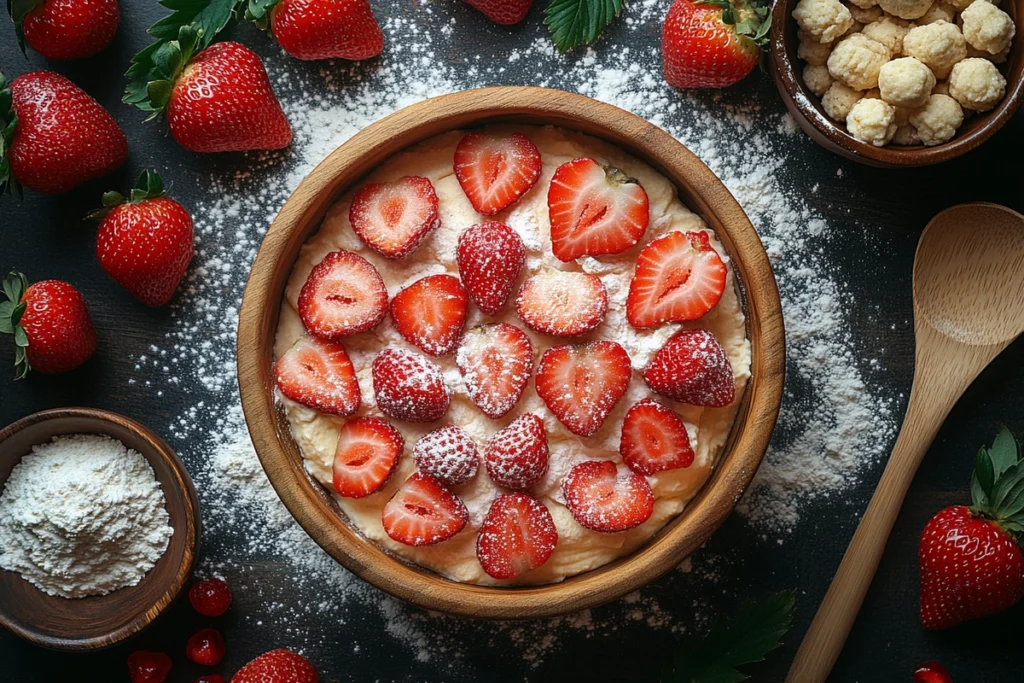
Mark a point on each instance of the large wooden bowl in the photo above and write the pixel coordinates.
(300, 217)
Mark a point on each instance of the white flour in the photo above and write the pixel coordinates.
(82, 515)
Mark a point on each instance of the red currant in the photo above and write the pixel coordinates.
(148, 667)
(206, 647)
(932, 672)
(210, 597)
(210, 678)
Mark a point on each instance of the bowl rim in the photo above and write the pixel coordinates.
(703, 192)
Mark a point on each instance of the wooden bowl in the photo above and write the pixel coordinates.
(97, 622)
(805, 106)
(300, 217)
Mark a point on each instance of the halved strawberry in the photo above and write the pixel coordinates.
(495, 171)
(692, 367)
(517, 536)
(496, 362)
(423, 512)
(595, 210)
(393, 218)
(318, 374)
(583, 382)
(562, 303)
(490, 256)
(654, 439)
(603, 497)
(679, 277)
(343, 295)
(409, 387)
(517, 456)
(368, 452)
(448, 455)
(431, 312)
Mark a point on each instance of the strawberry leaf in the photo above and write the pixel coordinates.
(19, 9)
(8, 126)
(1003, 452)
(578, 22)
(14, 287)
(982, 479)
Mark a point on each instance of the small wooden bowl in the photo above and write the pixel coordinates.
(97, 622)
(805, 106)
(300, 217)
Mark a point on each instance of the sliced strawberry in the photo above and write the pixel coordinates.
(517, 456)
(654, 439)
(423, 512)
(490, 256)
(603, 497)
(496, 362)
(583, 382)
(495, 171)
(448, 455)
(692, 367)
(679, 277)
(518, 535)
(409, 387)
(368, 452)
(318, 374)
(562, 303)
(343, 295)
(595, 210)
(431, 312)
(393, 218)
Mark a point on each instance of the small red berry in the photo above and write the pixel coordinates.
(210, 597)
(206, 647)
(932, 672)
(148, 667)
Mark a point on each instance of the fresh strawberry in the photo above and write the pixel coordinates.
(562, 303)
(517, 536)
(319, 374)
(49, 321)
(277, 666)
(145, 242)
(368, 452)
(603, 497)
(393, 218)
(583, 382)
(932, 672)
(595, 210)
(148, 667)
(448, 455)
(654, 439)
(65, 29)
(692, 367)
(431, 313)
(506, 12)
(712, 44)
(495, 171)
(678, 277)
(423, 512)
(490, 256)
(409, 387)
(343, 295)
(496, 362)
(517, 456)
(325, 29)
(53, 135)
(210, 597)
(205, 647)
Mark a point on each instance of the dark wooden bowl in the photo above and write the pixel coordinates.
(96, 622)
(300, 217)
(805, 106)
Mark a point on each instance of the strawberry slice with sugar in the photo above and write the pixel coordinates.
(490, 256)
(604, 497)
(343, 295)
(318, 374)
(692, 367)
(496, 361)
(517, 536)
(409, 387)
(678, 277)
(448, 455)
(581, 383)
(423, 512)
(517, 456)
(654, 439)
(595, 210)
(431, 313)
(495, 171)
(368, 452)
(394, 218)
(562, 303)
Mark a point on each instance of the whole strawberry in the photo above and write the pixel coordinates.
(145, 241)
(321, 29)
(970, 557)
(64, 29)
(506, 12)
(54, 135)
(277, 666)
(712, 44)
(49, 321)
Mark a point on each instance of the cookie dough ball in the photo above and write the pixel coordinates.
(865, 16)
(839, 99)
(939, 46)
(872, 121)
(856, 61)
(889, 32)
(937, 121)
(906, 82)
(906, 9)
(822, 20)
(817, 79)
(813, 52)
(986, 27)
(906, 135)
(976, 84)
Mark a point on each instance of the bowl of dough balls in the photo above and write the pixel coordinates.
(898, 83)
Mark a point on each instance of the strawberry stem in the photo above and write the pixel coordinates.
(14, 287)
(148, 186)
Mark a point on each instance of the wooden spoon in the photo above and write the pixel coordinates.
(968, 307)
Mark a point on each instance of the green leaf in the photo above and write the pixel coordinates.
(982, 479)
(1004, 486)
(8, 126)
(578, 22)
(1003, 452)
(19, 9)
(21, 364)
(6, 311)
(20, 338)
(257, 10)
